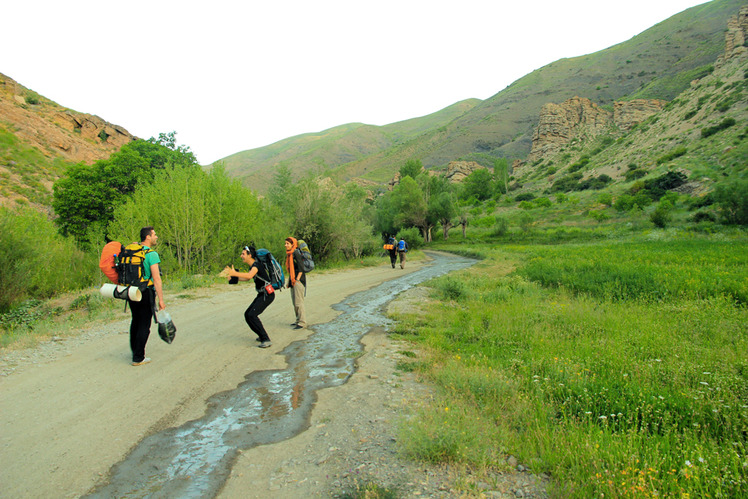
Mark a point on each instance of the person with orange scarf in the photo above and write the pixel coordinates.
(296, 281)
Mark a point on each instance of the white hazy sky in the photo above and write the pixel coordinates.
(234, 75)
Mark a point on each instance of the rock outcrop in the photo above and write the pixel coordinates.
(581, 119)
(55, 130)
(627, 114)
(458, 170)
(735, 37)
(559, 124)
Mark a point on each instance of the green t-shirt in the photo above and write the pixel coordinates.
(150, 259)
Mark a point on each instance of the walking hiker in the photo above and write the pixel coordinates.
(263, 299)
(392, 248)
(402, 248)
(143, 310)
(296, 281)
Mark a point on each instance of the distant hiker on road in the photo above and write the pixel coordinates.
(146, 260)
(296, 281)
(402, 248)
(391, 246)
(263, 299)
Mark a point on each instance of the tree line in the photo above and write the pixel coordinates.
(205, 217)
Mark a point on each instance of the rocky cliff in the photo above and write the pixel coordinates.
(580, 119)
(55, 130)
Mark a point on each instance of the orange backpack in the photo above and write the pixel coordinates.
(107, 262)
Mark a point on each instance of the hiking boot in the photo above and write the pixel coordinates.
(265, 344)
(144, 361)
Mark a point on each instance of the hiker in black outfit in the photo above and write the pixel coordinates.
(262, 300)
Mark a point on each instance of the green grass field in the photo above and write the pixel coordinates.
(618, 368)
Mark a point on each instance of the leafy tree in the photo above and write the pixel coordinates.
(411, 207)
(201, 218)
(501, 175)
(444, 209)
(412, 168)
(86, 197)
(478, 184)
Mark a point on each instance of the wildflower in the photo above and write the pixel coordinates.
(688, 463)
(702, 460)
(603, 417)
(707, 373)
(704, 383)
(658, 360)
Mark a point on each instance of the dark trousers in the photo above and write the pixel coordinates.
(140, 327)
(393, 258)
(251, 315)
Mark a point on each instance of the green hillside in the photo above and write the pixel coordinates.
(658, 63)
(348, 143)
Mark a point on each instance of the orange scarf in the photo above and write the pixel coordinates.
(289, 259)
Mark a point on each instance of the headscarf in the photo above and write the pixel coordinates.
(289, 259)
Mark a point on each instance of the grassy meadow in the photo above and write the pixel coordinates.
(617, 367)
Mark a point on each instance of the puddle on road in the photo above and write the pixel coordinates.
(195, 459)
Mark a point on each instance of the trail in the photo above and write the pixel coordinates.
(68, 418)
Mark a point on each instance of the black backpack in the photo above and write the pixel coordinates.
(272, 268)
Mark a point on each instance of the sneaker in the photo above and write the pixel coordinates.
(293, 324)
(265, 344)
(298, 327)
(144, 361)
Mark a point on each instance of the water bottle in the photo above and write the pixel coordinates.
(163, 317)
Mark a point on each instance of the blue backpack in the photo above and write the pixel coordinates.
(401, 246)
(272, 268)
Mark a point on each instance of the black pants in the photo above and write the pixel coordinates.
(251, 315)
(393, 258)
(140, 327)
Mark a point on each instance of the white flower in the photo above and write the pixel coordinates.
(688, 463)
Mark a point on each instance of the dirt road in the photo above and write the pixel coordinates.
(72, 409)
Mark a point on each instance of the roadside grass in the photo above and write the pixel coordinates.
(632, 389)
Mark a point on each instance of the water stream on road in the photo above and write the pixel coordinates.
(195, 459)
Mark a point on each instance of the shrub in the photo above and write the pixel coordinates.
(501, 227)
(543, 202)
(709, 131)
(605, 198)
(624, 203)
(671, 155)
(732, 202)
(525, 196)
(703, 216)
(661, 216)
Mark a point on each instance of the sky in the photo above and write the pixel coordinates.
(229, 75)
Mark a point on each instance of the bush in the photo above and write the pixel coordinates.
(543, 202)
(605, 198)
(709, 131)
(526, 196)
(624, 203)
(661, 216)
(501, 227)
(412, 236)
(732, 202)
(671, 155)
(37, 262)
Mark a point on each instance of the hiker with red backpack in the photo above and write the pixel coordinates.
(141, 259)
